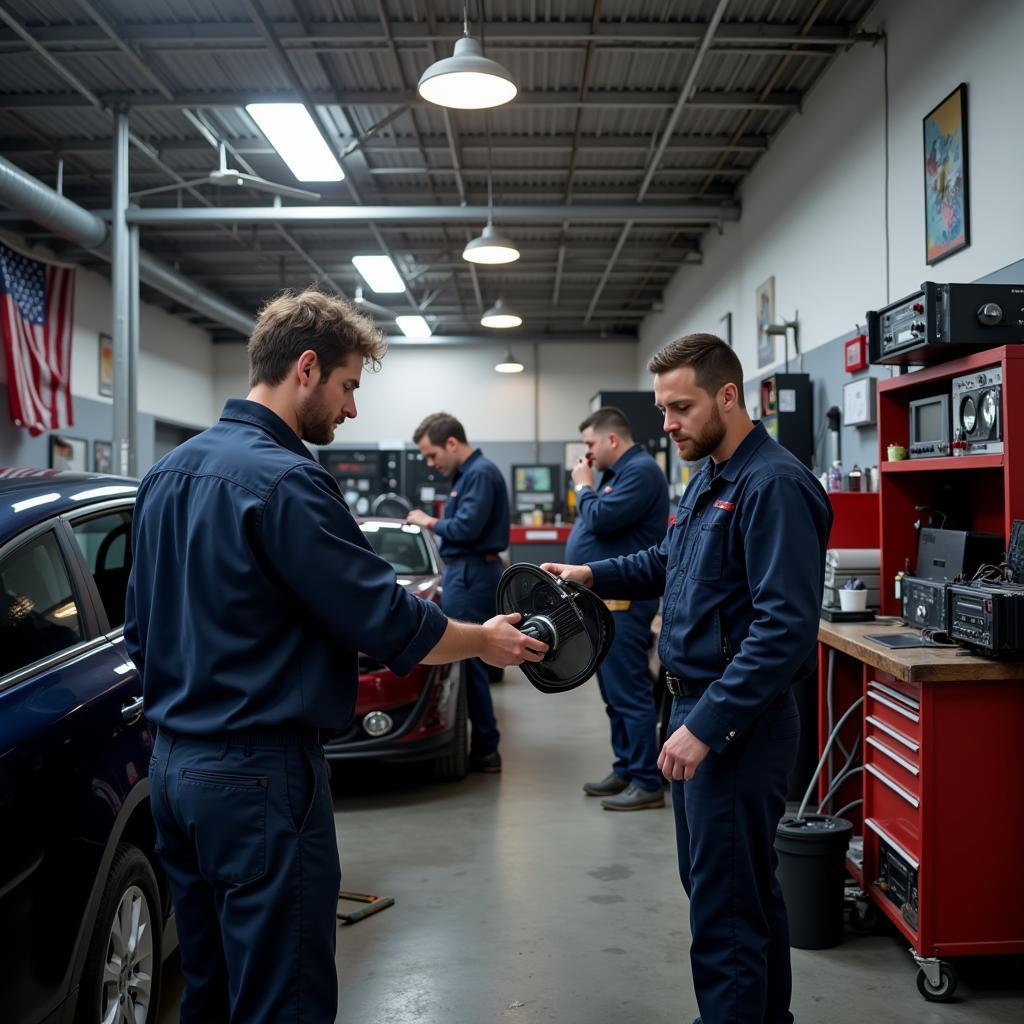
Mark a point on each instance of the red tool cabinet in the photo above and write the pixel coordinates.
(940, 732)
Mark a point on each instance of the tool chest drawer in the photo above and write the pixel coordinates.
(894, 709)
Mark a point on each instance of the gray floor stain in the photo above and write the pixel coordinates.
(606, 899)
(611, 873)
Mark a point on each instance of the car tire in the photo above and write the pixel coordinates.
(453, 765)
(130, 921)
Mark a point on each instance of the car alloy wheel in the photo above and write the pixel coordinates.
(127, 991)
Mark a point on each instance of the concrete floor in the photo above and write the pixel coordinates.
(518, 899)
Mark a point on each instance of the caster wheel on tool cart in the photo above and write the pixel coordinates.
(864, 919)
(941, 993)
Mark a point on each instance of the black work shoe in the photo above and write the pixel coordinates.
(490, 764)
(633, 798)
(608, 786)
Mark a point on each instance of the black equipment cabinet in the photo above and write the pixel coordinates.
(787, 414)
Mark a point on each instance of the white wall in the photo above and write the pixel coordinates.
(814, 208)
(492, 406)
(176, 366)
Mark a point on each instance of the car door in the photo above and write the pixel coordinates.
(64, 766)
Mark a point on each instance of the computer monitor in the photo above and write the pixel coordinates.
(535, 486)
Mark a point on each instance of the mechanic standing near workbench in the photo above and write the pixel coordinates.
(251, 595)
(742, 572)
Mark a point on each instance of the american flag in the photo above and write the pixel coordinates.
(36, 302)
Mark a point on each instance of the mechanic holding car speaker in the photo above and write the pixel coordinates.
(742, 572)
(472, 532)
(626, 511)
(251, 594)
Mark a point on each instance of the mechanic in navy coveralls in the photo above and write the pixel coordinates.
(627, 511)
(472, 532)
(742, 572)
(252, 592)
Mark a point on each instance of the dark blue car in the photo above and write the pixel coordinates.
(85, 913)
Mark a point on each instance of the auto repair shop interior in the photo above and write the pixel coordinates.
(830, 187)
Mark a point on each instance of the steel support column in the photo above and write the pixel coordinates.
(120, 273)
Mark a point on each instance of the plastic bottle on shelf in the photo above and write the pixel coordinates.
(835, 476)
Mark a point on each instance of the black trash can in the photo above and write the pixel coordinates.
(812, 869)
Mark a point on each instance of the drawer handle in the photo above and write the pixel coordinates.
(878, 830)
(898, 790)
(914, 705)
(878, 745)
(894, 733)
(894, 707)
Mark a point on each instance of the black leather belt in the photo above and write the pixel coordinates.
(684, 687)
(300, 738)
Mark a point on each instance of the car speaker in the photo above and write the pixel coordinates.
(570, 619)
(391, 506)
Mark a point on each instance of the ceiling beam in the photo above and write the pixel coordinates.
(599, 99)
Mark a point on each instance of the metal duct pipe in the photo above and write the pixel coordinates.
(30, 198)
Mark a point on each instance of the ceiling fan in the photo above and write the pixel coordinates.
(225, 177)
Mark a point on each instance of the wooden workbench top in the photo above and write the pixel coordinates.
(913, 664)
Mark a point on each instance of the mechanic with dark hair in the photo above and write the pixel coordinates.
(627, 511)
(742, 572)
(472, 532)
(251, 595)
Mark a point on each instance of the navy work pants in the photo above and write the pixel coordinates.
(246, 836)
(469, 594)
(629, 699)
(726, 818)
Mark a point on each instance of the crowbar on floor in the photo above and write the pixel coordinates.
(374, 905)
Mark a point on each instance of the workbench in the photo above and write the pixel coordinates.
(940, 736)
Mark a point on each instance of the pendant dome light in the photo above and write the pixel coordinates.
(509, 364)
(500, 317)
(490, 247)
(467, 80)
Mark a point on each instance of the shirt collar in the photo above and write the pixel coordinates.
(744, 452)
(629, 453)
(241, 410)
(470, 459)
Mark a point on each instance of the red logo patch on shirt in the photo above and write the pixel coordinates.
(727, 505)
(453, 494)
(608, 489)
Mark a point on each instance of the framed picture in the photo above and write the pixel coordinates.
(106, 365)
(727, 320)
(68, 453)
(765, 317)
(102, 457)
(947, 225)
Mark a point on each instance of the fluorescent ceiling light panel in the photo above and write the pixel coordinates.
(413, 326)
(379, 273)
(291, 131)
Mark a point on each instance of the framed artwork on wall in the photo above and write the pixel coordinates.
(102, 457)
(70, 453)
(947, 224)
(765, 317)
(106, 366)
(727, 320)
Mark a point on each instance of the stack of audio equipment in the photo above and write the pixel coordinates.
(942, 321)
(943, 556)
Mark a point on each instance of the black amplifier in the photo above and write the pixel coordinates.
(987, 617)
(897, 878)
(946, 320)
(924, 602)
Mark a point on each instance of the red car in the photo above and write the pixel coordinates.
(420, 716)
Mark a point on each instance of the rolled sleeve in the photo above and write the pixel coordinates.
(785, 529)
(315, 546)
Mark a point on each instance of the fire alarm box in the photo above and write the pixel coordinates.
(855, 353)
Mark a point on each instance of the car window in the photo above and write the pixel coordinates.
(38, 613)
(106, 545)
(403, 546)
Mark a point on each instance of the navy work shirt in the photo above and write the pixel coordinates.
(742, 571)
(253, 588)
(476, 513)
(627, 512)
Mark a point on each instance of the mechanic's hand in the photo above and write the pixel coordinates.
(505, 645)
(578, 573)
(583, 473)
(417, 517)
(681, 755)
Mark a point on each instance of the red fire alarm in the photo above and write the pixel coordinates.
(855, 353)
